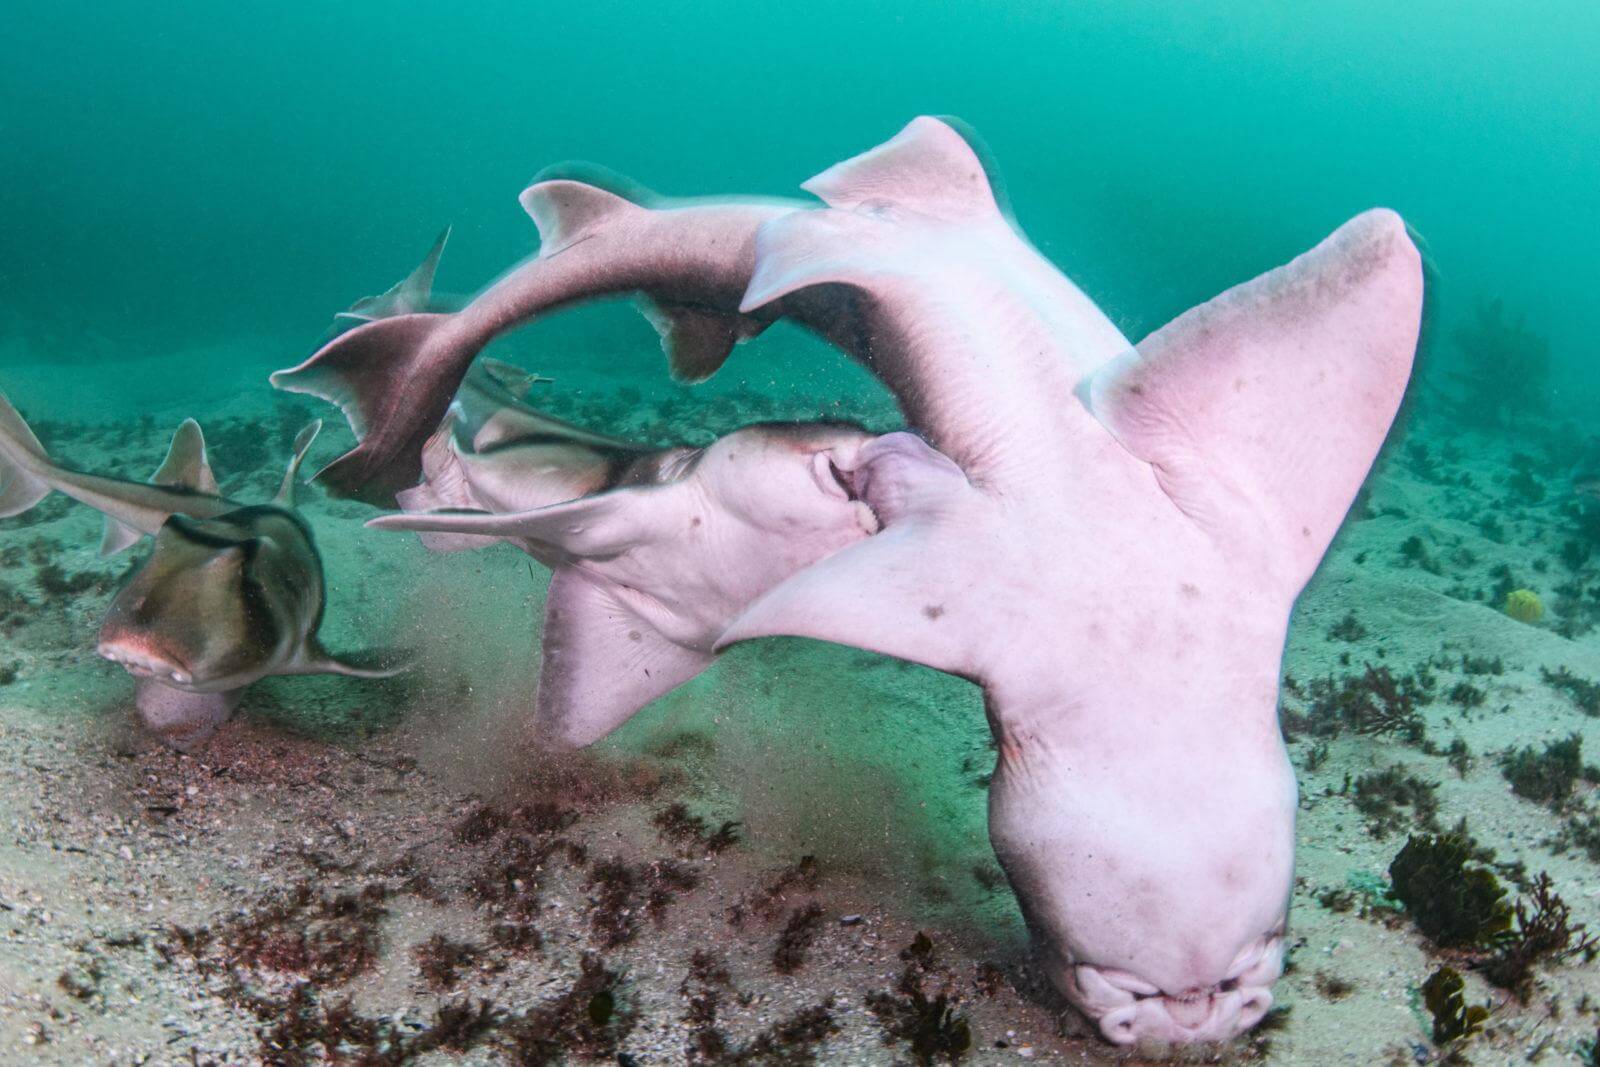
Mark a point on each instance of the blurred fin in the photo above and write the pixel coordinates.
(20, 489)
(302, 445)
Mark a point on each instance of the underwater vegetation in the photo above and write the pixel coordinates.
(929, 1024)
(1375, 702)
(1379, 796)
(1454, 901)
(790, 1041)
(1457, 902)
(1444, 993)
(1547, 776)
(1581, 691)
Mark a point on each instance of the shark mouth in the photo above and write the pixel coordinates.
(142, 659)
(839, 483)
(1129, 1010)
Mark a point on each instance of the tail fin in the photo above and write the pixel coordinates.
(302, 445)
(185, 467)
(393, 386)
(20, 454)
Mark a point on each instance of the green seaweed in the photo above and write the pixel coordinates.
(1453, 901)
(1444, 993)
(1546, 777)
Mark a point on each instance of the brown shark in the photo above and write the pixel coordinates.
(231, 593)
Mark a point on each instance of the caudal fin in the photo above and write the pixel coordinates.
(393, 384)
(20, 454)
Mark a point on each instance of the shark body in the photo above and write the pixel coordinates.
(1108, 539)
(653, 552)
(230, 594)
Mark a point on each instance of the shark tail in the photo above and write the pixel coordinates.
(393, 381)
(21, 458)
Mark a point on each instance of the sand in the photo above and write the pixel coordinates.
(148, 900)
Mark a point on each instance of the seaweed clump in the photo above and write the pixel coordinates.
(1503, 366)
(328, 938)
(1546, 777)
(691, 833)
(792, 1040)
(1581, 691)
(300, 1023)
(929, 1024)
(1453, 901)
(624, 889)
(1380, 796)
(1444, 993)
(440, 960)
(589, 1019)
(1543, 933)
(1373, 703)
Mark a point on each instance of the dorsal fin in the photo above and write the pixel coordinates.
(931, 166)
(565, 210)
(416, 290)
(185, 467)
(302, 445)
(1262, 410)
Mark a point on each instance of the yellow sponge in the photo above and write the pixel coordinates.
(1524, 606)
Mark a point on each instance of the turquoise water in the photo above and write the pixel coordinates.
(178, 170)
(188, 192)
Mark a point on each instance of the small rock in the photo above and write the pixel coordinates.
(849, 920)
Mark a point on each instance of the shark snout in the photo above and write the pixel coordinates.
(142, 658)
(1129, 1010)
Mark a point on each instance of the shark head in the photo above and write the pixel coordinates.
(798, 478)
(218, 604)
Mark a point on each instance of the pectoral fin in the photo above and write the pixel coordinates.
(594, 527)
(1262, 410)
(602, 663)
(372, 663)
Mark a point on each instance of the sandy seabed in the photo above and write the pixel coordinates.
(784, 862)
